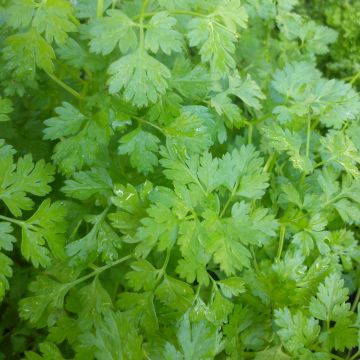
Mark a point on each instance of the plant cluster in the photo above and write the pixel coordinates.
(179, 180)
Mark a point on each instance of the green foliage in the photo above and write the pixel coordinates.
(179, 180)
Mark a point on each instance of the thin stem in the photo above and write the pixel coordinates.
(71, 72)
(321, 163)
(166, 262)
(256, 265)
(149, 123)
(356, 300)
(336, 357)
(281, 242)
(100, 8)
(172, 12)
(269, 162)
(162, 271)
(230, 198)
(250, 133)
(355, 356)
(66, 87)
(263, 118)
(141, 22)
(187, 12)
(308, 135)
(99, 270)
(143, 15)
(14, 221)
(354, 78)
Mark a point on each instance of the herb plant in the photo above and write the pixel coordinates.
(178, 180)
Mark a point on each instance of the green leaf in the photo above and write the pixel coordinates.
(232, 286)
(6, 107)
(48, 350)
(47, 225)
(332, 101)
(54, 18)
(5, 273)
(330, 302)
(191, 130)
(232, 13)
(68, 122)
(89, 183)
(48, 297)
(20, 13)
(161, 35)
(159, 229)
(196, 341)
(142, 147)
(114, 338)
(291, 143)
(6, 237)
(101, 239)
(190, 82)
(274, 353)
(216, 35)
(228, 238)
(174, 293)
(131, 204)
(143, 275)
(82, 140)
(140, 308)
(341, 151)
(27, 51)
(108, 32)
(141, 77)
(240, 172)
(295, 330)
(91, 302)
(17, 180)
(216, 44)
(195, 257)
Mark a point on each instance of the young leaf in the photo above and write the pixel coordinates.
(110, 31)
(141, 77)
(142, 147)
(161, 35)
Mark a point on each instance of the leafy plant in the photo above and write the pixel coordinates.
(178, 180)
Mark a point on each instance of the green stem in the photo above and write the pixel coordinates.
(184, 12)
(172, 12)
(66, 87)
(261, 119)
(187, 12)
(354, 78)
(269, 162)
(99, 270)
(14, 221)
(230, 198)
(162, 271)
(281, 242)
(166, 262)
(100, 8)
(308, 135)
(256, 265)
(356, 300)
(355, 356)
(149, 123)
(335, 357)
(250, 133)
(69, 71)
(321, 163)
(141, 22)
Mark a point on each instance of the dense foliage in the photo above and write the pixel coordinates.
(179, 179)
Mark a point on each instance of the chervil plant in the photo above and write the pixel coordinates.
(178, 180)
